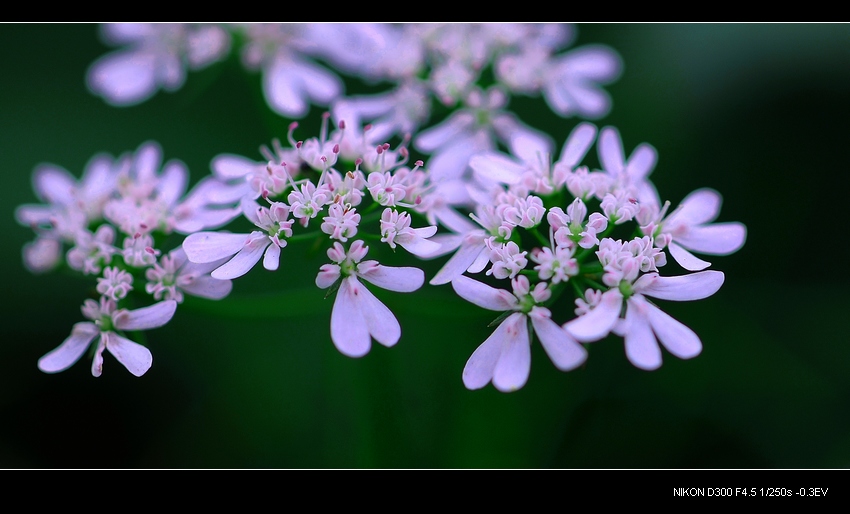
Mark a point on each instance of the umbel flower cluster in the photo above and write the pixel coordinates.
(516, 223)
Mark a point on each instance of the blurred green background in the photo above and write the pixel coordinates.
(758, 112)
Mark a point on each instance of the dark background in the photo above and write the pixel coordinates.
(758, 112)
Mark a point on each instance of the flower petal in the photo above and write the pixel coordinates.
(201, 218)
(212, 246)
(642, 348)
(349, 331)
(420, 247)
(529, 146)
(271, 260)
(610, 149)
(70, 351)
(483, 295)
(715, 239)
(597, 323)
(322, 86)
(382, 323)
(564, 351)
(124, 78)
(700, 206)
(577, 144)
(99, 178)
(679, 340)
(135, 357)
(289, 84)
(695, 286)
(686, 259)
(478, 371)
(498, 167)
(443, 133)
(514, 364)
(328, 274)
(206, 286)
(97, 359)
(54, 184)
(231, 166)
(145, 318)
(463, 258)
(400, 279)
(641, 162)
(281, 89)
(244, 260)
(173, 182)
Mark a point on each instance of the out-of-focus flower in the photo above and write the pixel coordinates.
(156, 56)
(174, 275)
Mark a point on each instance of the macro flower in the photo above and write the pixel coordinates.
(243, 251)
(357, 315)
(71, 204)
(107, 322)
(504, 358)
(291, 78)
(156, 56)
(174, 275)
(396, 230)
(531, 161)
(644, 325)
(479, 126)
(689, 229)
(633, 173)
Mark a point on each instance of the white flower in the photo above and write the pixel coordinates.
(174, 275)
(291, 79)
(557, 264)
(394, 113)
(71, 205)
(246, 250)
(478, 127)
(115, 283)
(689, 228)
(157, 56)
(42, 255)
(106, 319)
(532, 165)
(569, 227)
(92, 251)
(341, 222)
(644, 324)
(631, 174)
(357, 315)
(395, 229)
(473, 244)
(572, 83)
(139, 251)
(505, 357)
(507, 259)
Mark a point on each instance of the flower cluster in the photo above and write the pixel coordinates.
(112, 225)
(519, 230)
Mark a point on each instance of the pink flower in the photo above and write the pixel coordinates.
(645, 325)
(357, 315)
(244, 250)
(157, 56)
(688, 228)
(106, 319)
(630, 173)
(505, 357)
